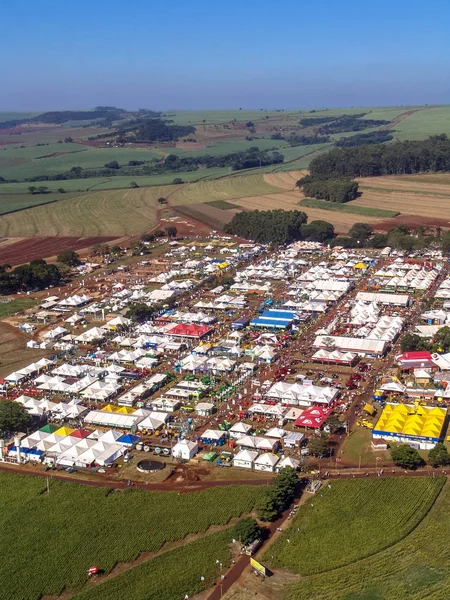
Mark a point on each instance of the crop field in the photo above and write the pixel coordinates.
(12, 202)
(222, 204)
(351, 520)
(422, 195)
(230, 146)
(171, 575)
(415, 568)
(348, 207)
(423, 123)
(206, 213)
(74, 527)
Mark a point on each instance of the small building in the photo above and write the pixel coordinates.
(185, 450)
(205, 409)
(266, 462)
(287, 461)
(245, 459)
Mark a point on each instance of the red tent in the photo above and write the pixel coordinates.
(80, 433)
(415, 360)
(191, 331)
(313, 417)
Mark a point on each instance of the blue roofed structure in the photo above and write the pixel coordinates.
(274, 319)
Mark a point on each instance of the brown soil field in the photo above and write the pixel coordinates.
(413, 221)
(13, 351)
(16, 251)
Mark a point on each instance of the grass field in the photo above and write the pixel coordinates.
(74, 527)
(222, 204)
(348, 208)
(172, 575)
(423, 123)
(16, 305)
(10, 116)
(12, 202)
(416, 568)
(351, 520)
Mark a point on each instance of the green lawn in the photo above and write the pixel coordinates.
(348, 207)
(222, 204)
(16, 305)
(416, 568)
(349, 520)
(55, 537)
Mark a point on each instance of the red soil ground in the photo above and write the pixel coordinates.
(413, 221)
(24, 250)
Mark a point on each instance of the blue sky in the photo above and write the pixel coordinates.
(199, 54)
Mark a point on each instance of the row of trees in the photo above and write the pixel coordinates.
(408, 458)
(432, 154)
(247, 159)
(351, 123)
(333, 190)
(278, 227)
(37, 275)
(373, 137)
(411, 342)
(278, 496)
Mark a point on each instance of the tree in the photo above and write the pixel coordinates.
(112, 165)
(32, 189)
(379, 240)
(318, 231)
(318, 445)
(171, 231)
(412, 342)
(406, 457)
(148, 237)
(76, 171)
(133, 184)
(278, 496)
(441, 341)
(68, 257)
(438, 456)
(266, 508)
(334, 423)
(177, 181)
(68, 140)
(61, 190)
(140, 312)
(162, 201)
(360, 231)
(13, 417)
(42, 189)
(247, 531)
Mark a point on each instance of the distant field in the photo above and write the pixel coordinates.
(13, 202)
(423, 123)
(230, 146)
(415, 568)
(10, 116)
(348, 208)
(77, 156)
(222, 204)
(15, 305)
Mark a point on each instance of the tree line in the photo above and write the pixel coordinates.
(333, 190)
(36, 275)
(278, 227)
(301, 140)
(399, 158)
(62, 116)
(360, 139)
(247, 159)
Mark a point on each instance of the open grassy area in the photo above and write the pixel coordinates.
(74, 527)
(348, 207)
(16, 305)
(423, 123)
(351, 519)
(222, 204)
(416, 568)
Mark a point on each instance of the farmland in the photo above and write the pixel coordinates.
(171, 575)
(352, 520)
(348, 208)
(73, 517)
(415, 568)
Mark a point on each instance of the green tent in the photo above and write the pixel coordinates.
(49, 428)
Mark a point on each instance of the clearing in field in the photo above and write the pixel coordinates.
(415, 568)
(76, 526)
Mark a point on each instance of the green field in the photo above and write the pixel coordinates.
(228, 147)
(350, 520)
(55, 537)
(10, 116)
(423, 123)
(12, 202)
(16, 305)
(415, 568)
(223, 204)
(348, 208)
(171, 575)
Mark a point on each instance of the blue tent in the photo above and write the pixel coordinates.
(128, 439)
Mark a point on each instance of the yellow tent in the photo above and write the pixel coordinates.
(360, 265)
(127, 410)
(65, 431)
(369, 409)
(110, 408)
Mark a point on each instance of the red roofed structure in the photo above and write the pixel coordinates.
(80, 433)
(415, 360)
(313, 417)
(189, 331)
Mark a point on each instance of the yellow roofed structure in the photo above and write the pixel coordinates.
(410, 421)
(360, 265)
(110, 408)
(65, 431)
(127, 410)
